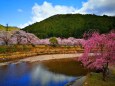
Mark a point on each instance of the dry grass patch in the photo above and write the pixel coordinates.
(15, 52)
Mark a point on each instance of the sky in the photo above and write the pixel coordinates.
(22, 13)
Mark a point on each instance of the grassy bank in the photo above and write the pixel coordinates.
(95, 79)
(14, 52)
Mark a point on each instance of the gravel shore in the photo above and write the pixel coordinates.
(43, 57)
(49, 57)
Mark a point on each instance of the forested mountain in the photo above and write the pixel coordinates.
(71, 25)
(9, 28)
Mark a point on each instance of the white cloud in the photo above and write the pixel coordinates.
(99, 7)
(47, 9)
(41, 12)
(20, 10)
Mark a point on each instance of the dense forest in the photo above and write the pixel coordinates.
(71, 25)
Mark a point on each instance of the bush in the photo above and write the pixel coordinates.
(53, 41)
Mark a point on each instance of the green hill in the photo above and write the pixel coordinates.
(10, 28)
(71, 25)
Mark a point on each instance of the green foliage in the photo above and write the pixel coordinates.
(53, 41)
(71, 25)
(3, 49)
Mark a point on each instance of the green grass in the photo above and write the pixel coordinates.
(95, 79)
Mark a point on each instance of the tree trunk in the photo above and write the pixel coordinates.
(104, 74)
(105, 71)
(6, 42)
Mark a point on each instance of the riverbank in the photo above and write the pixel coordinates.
(50, 57)
(17, 52)
(95, 79)
(78, 82)
(44, 58)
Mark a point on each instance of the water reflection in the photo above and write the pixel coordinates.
(47, 78)
(14, 75)
(26, 74)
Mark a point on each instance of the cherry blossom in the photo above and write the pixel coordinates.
(103, 48)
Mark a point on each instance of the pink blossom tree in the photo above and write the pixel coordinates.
(44, 41)
(78, 42)
(5, 37)
(21, 37)
(32, 39)
(103, 49)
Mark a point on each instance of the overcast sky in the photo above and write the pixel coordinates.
(25, 12)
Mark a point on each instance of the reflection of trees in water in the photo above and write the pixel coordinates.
(66, 66)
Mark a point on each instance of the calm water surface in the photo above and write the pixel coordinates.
(31, 74)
